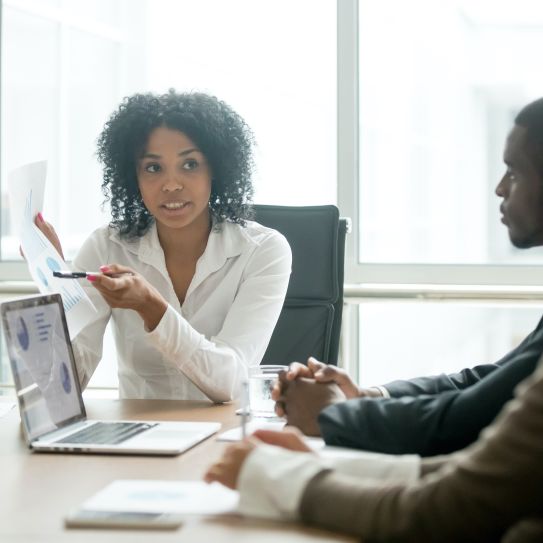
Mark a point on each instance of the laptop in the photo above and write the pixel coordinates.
(49, 395)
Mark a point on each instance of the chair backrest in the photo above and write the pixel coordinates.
(310, 321)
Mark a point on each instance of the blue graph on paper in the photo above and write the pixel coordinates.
(53, 264)
(33, 244)
(42, 277)
(26, 189)
(70, 299)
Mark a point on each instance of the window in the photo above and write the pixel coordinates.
(438, 85)
(400, 340)
(422, 93)
(66, 64)
(436, 88)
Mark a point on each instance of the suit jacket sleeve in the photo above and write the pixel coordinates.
(494, 485)
(426, 425)
(463, 379)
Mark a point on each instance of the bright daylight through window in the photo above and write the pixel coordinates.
(439, 86)
(66, 65)
(440, 83)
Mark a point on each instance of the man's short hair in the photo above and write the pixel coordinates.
(531, 118)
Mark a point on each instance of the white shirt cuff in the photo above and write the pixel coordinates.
(272, 481)
(368, 465)
(384, 392)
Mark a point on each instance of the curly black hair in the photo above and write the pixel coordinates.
(218, 131)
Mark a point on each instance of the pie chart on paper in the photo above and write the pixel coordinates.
(52, 264)
(42, 277)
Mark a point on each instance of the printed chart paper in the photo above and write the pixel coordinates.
(26, 187)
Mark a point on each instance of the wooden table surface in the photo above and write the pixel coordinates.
(38, 489)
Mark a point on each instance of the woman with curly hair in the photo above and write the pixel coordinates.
(205, 283)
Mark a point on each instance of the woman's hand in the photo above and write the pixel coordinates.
(121, 287)
(49, 232)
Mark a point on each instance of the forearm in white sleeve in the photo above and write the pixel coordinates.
(272, 480)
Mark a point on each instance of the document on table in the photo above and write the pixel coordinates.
(26, 187)
(152, 496)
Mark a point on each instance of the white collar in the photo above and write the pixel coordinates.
(226, 241)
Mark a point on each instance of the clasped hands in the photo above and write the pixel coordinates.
(302, 392)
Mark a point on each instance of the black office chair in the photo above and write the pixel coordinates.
(310, 321)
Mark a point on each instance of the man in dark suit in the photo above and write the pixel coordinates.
(444, 413)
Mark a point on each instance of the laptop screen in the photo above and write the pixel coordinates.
(42, 363)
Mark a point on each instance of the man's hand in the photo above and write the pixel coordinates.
(227, 469)
(322, 373)
(303, 399)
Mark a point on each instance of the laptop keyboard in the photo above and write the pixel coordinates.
(107, 433)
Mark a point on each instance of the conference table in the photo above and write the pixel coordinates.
(38, 489)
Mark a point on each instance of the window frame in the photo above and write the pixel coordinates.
(397, 274)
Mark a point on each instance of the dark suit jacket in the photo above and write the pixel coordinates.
(432, 415)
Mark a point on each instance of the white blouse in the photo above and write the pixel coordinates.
(202, 349)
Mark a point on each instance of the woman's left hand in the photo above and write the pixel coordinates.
(121, 287)
(227, 469)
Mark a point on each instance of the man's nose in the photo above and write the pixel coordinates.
(500, 187)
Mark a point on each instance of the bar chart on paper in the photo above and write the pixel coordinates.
(77, 305)
(71, 291)
(69, 299)
(26, 189)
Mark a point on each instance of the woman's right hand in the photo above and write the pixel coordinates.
(49, 232)
(121, 287)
